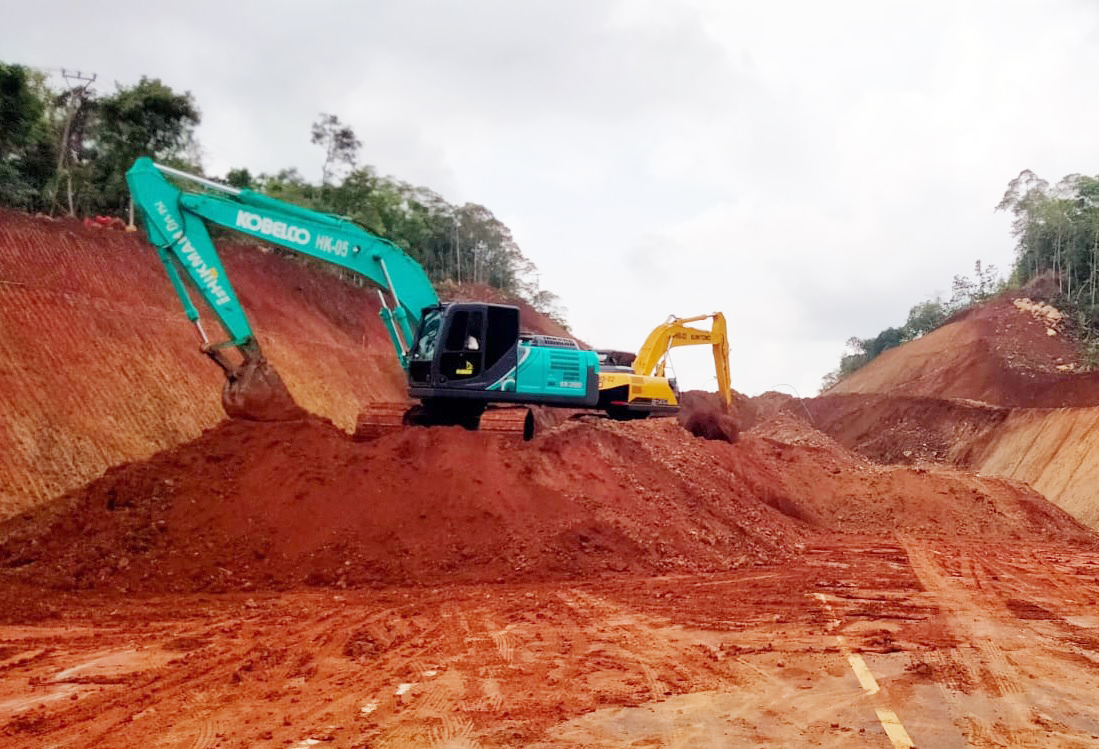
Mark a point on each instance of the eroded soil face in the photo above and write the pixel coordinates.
(965, 644)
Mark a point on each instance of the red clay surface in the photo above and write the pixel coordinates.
(993, 391)
(608, 584)
(99, 366)
(994, 353)
(265, 505)
(970, 645)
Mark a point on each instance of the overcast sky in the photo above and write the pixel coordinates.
(811, 169)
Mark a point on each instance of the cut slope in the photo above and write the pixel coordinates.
(1054, 450)
(98, 364)
(273, 505)
(907, 430)
(997, 353)
(839, 490)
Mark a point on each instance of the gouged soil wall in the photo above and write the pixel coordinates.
(1056, 451)
(99, 366)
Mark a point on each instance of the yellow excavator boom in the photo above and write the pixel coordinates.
(677, 332)
(640, 388)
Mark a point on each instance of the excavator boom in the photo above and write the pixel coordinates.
(175, 224)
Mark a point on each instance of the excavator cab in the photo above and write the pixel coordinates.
(470, 353)
(462, 346)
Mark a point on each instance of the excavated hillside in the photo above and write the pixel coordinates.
(998, 390)
(1008, 352)
(177, 579)
(98, 365)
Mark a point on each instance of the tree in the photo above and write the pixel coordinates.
(240, 178)
(79, 106)
(341, 146)
(27, 145)
(925, 317)
(148, 119)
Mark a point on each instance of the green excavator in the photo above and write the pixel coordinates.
(466, 363)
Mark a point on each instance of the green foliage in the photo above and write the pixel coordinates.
(241, 178)
(922, 319)
(462, 243)
(73, 149)
(1056, 230)
(148, 119)
(69, 152)
(925, 317)
(27, 149)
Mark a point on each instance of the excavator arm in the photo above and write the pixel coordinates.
(175, 222)
(651, 358)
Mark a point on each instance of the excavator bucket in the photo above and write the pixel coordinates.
(254, 391)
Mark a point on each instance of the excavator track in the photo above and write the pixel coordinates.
(378, 419)
(508, 421)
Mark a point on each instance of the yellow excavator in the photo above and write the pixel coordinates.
(636, 386)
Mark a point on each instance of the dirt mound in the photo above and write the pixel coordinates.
(275, 504)
(1012, 351)
(269, 505)
(705, 415)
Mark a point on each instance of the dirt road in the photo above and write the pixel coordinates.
(871, 642)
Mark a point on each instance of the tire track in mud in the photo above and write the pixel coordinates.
(961, 587)
(623, 631)
(995, 678)
(670, 661)
(888, 719)
(432, 709)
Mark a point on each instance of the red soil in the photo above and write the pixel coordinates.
(995, 353)
(99, 366)
(907, 430)
(705, 415)
(923, 561)
(271, 505)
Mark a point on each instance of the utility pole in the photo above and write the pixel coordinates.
(78, 84)
(457, 249)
